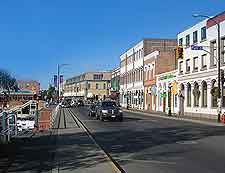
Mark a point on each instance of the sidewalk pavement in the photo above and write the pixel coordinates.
(176, 117)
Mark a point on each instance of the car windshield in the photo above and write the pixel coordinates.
(108, 104)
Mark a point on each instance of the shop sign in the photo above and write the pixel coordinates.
(166, 77)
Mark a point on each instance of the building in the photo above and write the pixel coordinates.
(156, 63)
(115, 85)
(167, 92)
(197, 69)
(90, 85)
(29, 85)
(131, 70)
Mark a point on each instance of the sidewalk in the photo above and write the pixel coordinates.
(176, 117)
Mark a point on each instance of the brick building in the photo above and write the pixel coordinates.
(156, 63)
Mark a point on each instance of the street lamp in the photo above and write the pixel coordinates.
(59, 66)
(218, 50)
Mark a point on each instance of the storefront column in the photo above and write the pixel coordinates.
(209, 95)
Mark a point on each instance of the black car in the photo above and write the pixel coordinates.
(92, 110)
(80, 103)
(108, 110)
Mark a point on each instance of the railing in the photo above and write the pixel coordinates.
(8, 126)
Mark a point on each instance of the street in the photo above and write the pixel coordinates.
(149, 144)
(138, 144)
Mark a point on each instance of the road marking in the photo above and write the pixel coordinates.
(187, 142)
(146, 161)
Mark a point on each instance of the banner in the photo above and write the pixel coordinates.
(61, 78)
(55, 81)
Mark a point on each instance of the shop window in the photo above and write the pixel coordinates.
(188, 95)
(204, 94)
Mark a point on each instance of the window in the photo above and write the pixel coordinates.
(188, 40)
(181, 66)
(188, 95)
(98, 76)
(89, 85)
(204, 94)
(97, 86)
(188, 67)
(214, 94)
(195, 37)
(180, 41)
(204, 61)
(196, 94)
(213, 54)
(203, 33)
(175, 101)
(223, 49)
(195, 63)
(104, 86)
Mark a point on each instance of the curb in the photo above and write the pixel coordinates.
(115, 166)
(176, 118)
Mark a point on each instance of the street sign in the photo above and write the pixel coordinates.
(194, 47)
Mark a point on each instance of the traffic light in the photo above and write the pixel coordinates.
(179, 52)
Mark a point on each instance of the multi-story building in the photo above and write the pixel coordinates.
(29, 85)
(90, 85)
(115, 84)
(131, 70)
(197, 70)
(156, 63)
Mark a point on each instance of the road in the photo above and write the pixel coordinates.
(150, 144)
(138, 144)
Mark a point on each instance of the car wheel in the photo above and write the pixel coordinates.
(101, 118)
(121, 119)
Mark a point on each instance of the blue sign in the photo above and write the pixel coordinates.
(194, 47)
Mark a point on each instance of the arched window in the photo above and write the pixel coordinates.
(204, 94)
(214, 93)
(188, 95)
(196, 94)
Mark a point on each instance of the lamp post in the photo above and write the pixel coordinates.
(59, 66)
(219, 102)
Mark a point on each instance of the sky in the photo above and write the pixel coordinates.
(89, 35)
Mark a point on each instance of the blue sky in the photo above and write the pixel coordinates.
(89, 35)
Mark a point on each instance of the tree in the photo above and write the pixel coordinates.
(50, 92)
(7, 82)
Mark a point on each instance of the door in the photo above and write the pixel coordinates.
(164, 104)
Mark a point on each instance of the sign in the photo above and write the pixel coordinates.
(194, 47)
(163, 94)
(153, 89)
(174, 88)
(168, 76)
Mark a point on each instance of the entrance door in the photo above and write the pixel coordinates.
(164, 104)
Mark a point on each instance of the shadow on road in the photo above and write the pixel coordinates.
(75, 151)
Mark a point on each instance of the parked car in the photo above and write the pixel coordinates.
(108, 110)
(92, 110)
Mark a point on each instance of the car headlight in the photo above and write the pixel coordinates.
(104, 111)
(120, 111)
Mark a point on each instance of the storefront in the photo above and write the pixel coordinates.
(167, 95)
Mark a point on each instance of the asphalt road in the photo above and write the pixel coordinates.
(156, 145)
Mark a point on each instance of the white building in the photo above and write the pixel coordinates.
(131, 77)
(197, 72)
